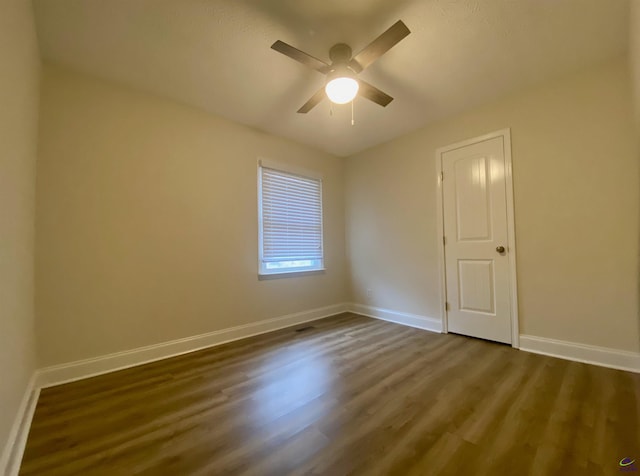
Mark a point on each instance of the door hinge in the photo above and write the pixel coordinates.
(441, 176)
(446, 306)
(444, 240)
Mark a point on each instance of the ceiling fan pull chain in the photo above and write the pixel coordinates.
(331, 109)
(353, 123)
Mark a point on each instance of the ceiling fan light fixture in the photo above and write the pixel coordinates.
(342, 89)
(341, 85)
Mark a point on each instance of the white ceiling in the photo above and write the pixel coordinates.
(215, 55)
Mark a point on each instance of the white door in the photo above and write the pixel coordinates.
(476, 241)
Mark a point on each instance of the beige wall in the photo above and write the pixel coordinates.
(19, 66)
(147, 222)
(634, 57)
(634, 61)
(576, 209)
(147, 228)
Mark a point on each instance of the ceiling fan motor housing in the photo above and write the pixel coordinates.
(340, 53)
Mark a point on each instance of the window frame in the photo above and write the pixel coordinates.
(264, 273)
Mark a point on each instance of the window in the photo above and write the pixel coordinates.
(290, 214)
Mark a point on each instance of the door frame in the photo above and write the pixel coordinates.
(511, 230)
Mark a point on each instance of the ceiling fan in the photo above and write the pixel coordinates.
(341, 85)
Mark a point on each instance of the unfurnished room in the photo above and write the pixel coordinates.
(271, 238)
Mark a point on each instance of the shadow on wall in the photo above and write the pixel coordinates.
(637, 152)
(634, 59)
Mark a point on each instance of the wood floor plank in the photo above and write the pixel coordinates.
(352, 395)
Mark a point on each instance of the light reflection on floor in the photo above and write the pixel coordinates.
(298, 378)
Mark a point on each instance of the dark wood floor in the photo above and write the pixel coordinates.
(352, 396)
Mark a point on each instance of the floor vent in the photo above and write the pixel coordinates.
(305, 329)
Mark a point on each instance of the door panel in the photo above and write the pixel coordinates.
(475, 224)
(475, 286)
(474, 221)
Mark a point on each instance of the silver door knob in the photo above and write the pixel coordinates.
(500, 249)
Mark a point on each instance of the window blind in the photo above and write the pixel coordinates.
(291, 217)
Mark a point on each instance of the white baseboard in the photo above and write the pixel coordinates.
(11, 456)
(14, 448)
(589, 354)
(412, 320)
(64, 373)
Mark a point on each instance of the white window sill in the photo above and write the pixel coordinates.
(291, 274)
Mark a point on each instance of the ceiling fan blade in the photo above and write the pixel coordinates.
(301, 56)
(379, 46)
(313, 102)
(373, 94)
